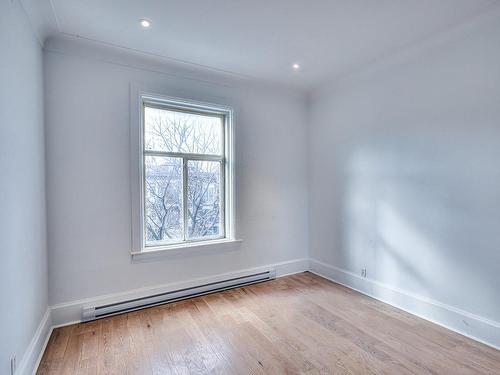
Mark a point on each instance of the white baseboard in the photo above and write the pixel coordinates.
(71, 312)
(33, 355)
(291, 267)
(473, 326)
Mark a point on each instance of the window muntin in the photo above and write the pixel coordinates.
(184, 175)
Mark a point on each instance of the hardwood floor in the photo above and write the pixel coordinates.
(300, 324)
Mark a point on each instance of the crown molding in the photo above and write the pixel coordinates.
(42, 17)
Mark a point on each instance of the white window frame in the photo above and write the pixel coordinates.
(137, 170)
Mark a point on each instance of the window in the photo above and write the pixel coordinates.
(186, 174)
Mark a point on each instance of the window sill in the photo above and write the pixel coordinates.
(190, 248)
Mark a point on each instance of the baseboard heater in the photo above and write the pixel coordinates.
(103, 311)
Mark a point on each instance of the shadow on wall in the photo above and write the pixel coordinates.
(424, 215)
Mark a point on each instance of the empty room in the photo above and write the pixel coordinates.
(250, 187)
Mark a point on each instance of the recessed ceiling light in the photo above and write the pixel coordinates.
(296, 66)
(145, 23)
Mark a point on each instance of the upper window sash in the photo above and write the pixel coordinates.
(203, 133)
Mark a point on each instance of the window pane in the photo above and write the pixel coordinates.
(175, 131)
(204, 199)
(163, 192)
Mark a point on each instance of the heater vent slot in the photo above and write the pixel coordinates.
(110, 309)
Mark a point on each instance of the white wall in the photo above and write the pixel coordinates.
(405, 172)
(87, 95)
(23, 268)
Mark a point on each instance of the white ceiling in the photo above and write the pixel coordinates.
(258, 38)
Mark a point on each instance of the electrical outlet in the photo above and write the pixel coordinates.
(13, 365)
(363, 272)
